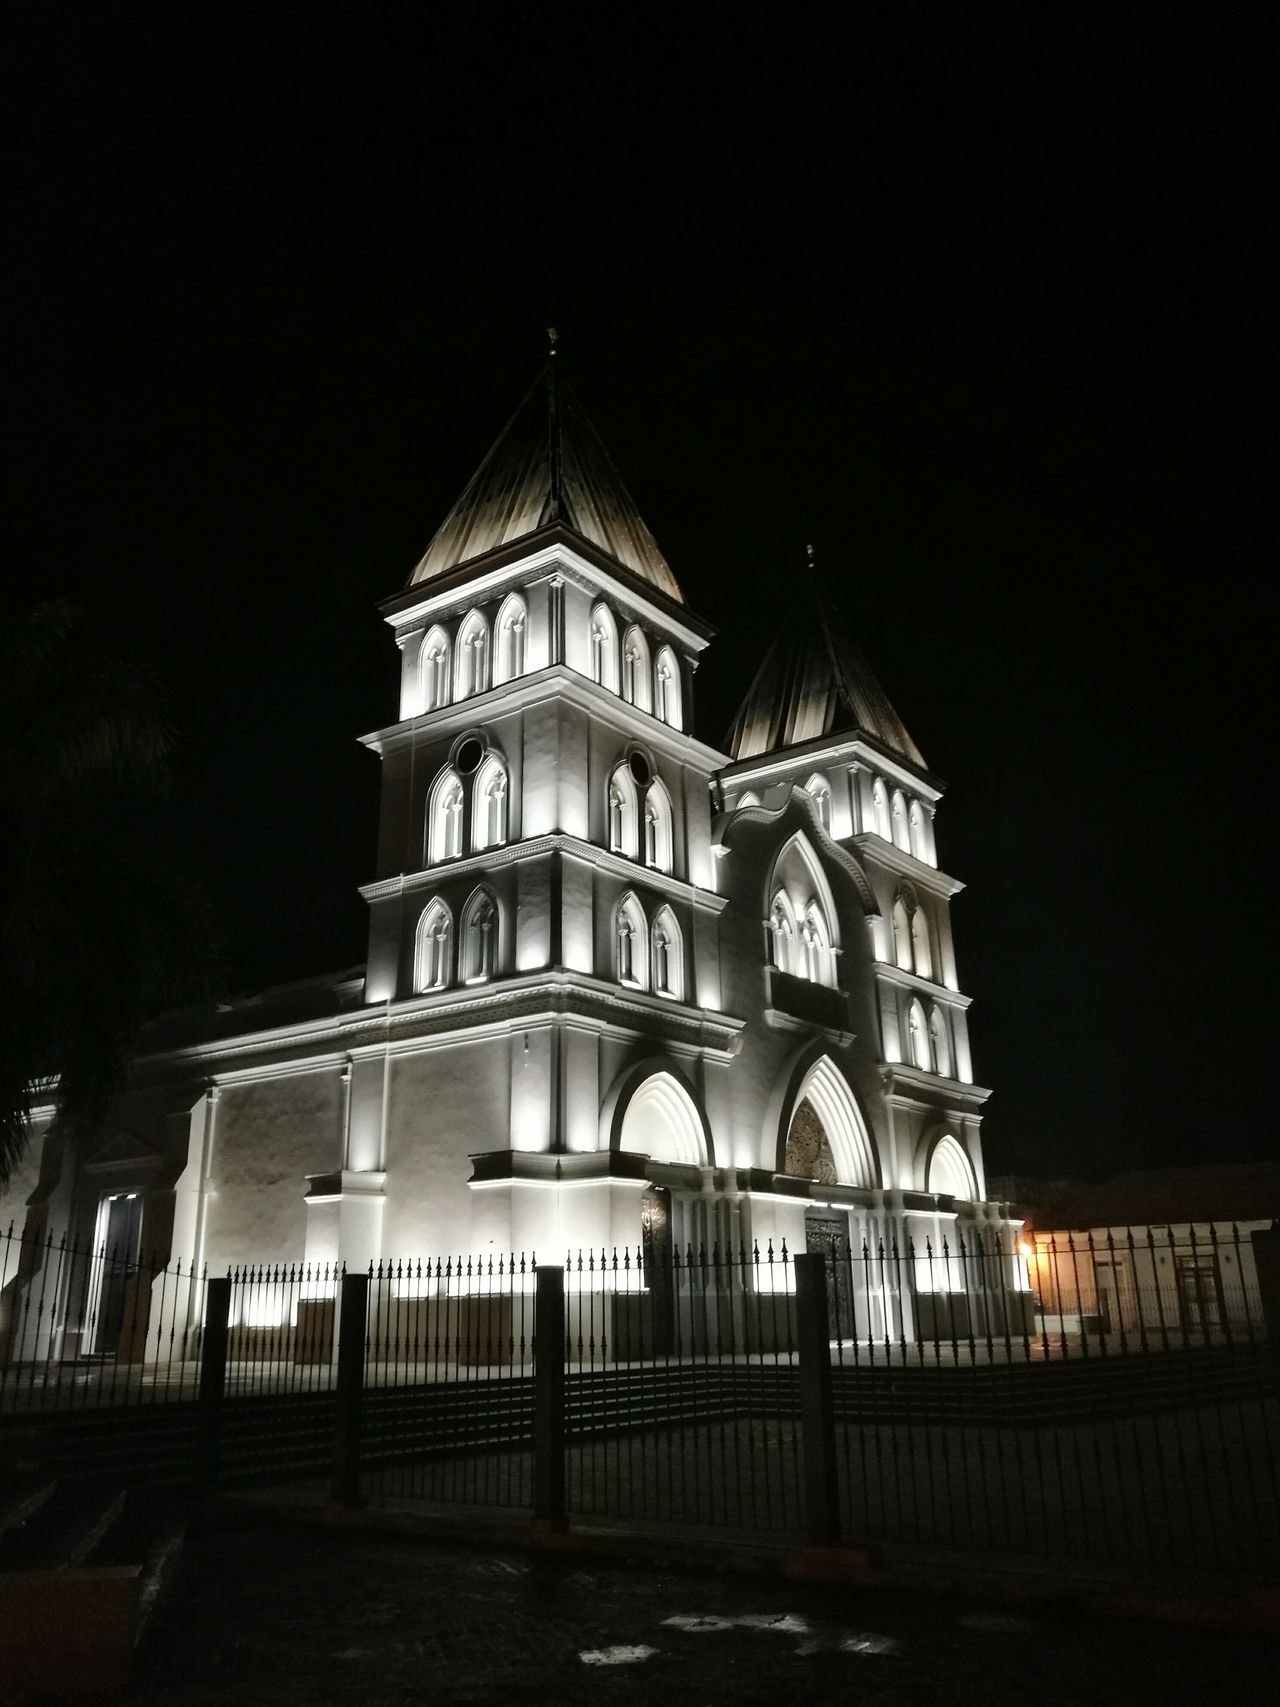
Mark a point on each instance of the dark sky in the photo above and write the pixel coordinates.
(981, 307)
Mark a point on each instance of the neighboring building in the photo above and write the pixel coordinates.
(621, 986)
(1162, 1254)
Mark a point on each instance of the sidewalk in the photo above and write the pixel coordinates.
(277, 1615)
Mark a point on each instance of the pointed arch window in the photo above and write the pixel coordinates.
(939, 1042)
(433, 948)
(918, 1037)
(921, 950)
(657, 827)
(489, 805)
(631, 943)
(478, 939)
(782, 932)
(898, 815)
(880, 810)
(916, 831)
(819, 791)
(902, 933)
(815, 940)
(604, 648)
(433, 671)
(513, 620)
(668, 956)
(636, 668)
(444, 817)
(666, 689)
(471, 669)
(623, 812)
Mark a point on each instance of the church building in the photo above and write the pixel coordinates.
(623, 988)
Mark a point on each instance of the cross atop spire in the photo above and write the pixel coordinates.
(548, 468)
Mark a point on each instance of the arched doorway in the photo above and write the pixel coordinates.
(661, 1121)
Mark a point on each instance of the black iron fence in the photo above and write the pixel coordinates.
(1103, 1398)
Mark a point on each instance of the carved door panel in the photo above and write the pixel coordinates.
(827, 1231)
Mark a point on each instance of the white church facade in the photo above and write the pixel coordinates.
(621, 986)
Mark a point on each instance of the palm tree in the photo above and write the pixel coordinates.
(98, 929)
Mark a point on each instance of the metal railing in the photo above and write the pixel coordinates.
(1109, 1399)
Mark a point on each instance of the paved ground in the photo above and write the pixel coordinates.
(278, 1615)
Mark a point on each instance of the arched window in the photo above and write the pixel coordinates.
(950, 1170)
(915, 826)
(921, 952)
(902, 934)
(636, 673)
(819, 790)
(631, 943)
(880, 810)
(657, 827)
(782, 932)
(478, 939)
(898, 813)
(432, 948)
(939, 1042)
(433, 671)
(918, 1037)
(471, 666)
(623, 812)
(668, 956)
(666, 688)
(444, 817)
(604, 648)
(508, 659)
(489, 805)
(816, 943)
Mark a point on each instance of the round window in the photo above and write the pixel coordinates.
(468, 756)
(640, 769)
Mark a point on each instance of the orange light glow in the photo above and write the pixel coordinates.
(1024, 1249)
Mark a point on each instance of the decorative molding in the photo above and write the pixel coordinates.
(880, 852)
(538, 847)
(812, 754)
(901, 979)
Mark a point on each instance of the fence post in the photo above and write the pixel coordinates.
(213, 1375)
(349, 1388)
(548, 1399)
(1265, 1242)
(817, 1425)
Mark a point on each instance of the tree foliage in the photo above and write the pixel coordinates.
(100, 924)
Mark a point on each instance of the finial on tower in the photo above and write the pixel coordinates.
(808, 551)
(553, 338)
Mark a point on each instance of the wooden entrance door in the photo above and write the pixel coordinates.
(656, 1258)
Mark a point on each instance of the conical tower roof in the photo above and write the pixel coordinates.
(548, 467)
(814, 681)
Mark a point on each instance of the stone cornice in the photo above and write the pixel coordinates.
(425, 1022)
(888, 973)
(912, 1087)
(555, 681)
(538, 847)
(489, 577)
(877, 851)
(824, 750)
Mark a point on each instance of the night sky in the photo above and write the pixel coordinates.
(984, 314)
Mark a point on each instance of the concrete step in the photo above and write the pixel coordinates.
(65, 1529)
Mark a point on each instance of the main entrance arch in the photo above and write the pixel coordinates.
(823, 1135)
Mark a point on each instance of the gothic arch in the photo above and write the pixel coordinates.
(479, 937)
(672, 1099)
(947, 1169)
(666, 955)
(666, 689)
(797, 872)
(433, 670)
(471, 656)
(489, 804)
(445, 807)
(604, 648)
(637, 670)
(812, 1076)
(510, 633)
(630, 943)
(433, 948)
(658, 827)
